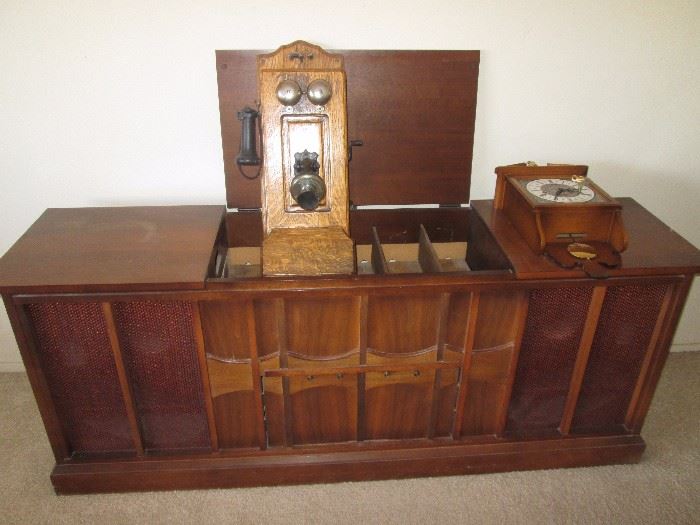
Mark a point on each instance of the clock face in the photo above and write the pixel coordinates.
(560, 190)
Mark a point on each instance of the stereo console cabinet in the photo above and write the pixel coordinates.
(162, 356)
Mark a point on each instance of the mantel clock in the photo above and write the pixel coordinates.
(563, 214)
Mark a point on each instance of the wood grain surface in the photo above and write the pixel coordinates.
(94, 249)
(415, 138)
(308, 251)
(304, 126)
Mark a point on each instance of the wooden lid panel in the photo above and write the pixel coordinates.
(236, 73)
(414, 111)
(110, 249)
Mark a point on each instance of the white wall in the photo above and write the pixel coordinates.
(114, 103)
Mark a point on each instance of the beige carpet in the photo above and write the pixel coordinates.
(664, 488)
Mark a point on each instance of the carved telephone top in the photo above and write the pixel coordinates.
(305, 162)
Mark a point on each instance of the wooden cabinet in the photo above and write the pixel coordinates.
(237, 382)
(161, 360)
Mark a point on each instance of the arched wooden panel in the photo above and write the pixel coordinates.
(227, 339)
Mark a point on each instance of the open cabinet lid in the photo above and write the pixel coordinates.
(414, 111)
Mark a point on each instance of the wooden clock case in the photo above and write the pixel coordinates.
(161, 359)
(542, 224)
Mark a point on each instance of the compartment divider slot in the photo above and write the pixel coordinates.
(379, 263)
(421, 257)
(427, 256)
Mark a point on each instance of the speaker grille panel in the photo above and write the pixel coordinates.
(78, 363)
(160, 356)
(624, 331)
(555, 321)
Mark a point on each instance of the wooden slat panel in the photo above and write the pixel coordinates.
(202, 359)
(361, 380)
(281, 320)
(402, 324)
(584, 350)
(123, 381)
(224, 328)
(444, 387)
(648, 356)
(256, 374)
(487, 380)
(324, 408)
(229, 337)
(322, 338)
(398, 404)
(637, 412)
(323, 328)
(266, 330)
(521, 319)
(470, 332)
(162, 361)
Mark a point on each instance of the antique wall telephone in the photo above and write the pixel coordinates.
(307, 188)
(303, 119)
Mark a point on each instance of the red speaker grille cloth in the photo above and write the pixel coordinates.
(555, 321)
(160, 357)
(78, 363)
(624, 331)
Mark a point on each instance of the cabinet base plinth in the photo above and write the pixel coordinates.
(290, 467)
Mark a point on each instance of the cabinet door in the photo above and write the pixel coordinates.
(321, 333)
(401, 331)
(231, 353)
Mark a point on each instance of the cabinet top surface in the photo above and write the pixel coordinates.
(92, 249)
(170, 248)
(654, 248)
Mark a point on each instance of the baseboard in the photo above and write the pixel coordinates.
(356, 463)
